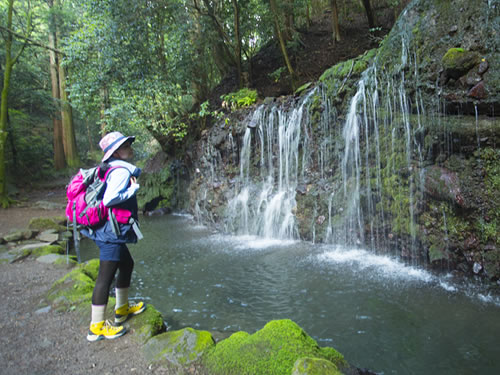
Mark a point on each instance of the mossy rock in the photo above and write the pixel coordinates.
(492, 263)
(44, 223)
(19, 235)
(59, 261)
(75, 287)
(156, 187)
(147, 324)
(179, 348)
(457, 62)
(314, 366)
(46, 250)
(272, 350)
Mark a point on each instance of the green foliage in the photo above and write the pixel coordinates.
(242, 98)
(156, 185)
(490, 229)
(276, 75)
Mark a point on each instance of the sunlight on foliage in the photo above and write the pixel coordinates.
(242, 98)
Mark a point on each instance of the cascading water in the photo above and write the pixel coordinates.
(349, 170)
(374, 154)
(264, 206)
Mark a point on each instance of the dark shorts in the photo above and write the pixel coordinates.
(113, 251)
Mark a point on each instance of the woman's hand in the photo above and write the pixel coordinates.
(133, 180)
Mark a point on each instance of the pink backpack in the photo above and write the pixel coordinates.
(85, 192)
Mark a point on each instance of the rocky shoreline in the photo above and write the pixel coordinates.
(280, 347)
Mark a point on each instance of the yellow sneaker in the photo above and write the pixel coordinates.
(104, 330)
(129, 309)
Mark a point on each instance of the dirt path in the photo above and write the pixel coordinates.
(37, 340)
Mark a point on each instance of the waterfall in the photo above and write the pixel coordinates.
(346, 163)
(373, 154)
(264, 205)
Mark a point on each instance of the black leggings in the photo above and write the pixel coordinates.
(107, 271)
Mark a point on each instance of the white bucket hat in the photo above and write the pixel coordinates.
(112, 142)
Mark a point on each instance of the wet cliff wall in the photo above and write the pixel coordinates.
(396, 150)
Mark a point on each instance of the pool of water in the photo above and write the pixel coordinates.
(378, 312)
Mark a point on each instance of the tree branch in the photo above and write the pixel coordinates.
(31, 41)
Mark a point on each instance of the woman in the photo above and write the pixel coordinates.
(111, 238)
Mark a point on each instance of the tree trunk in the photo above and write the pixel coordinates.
(105, 105)
(289, 20)
(68, 131)
(4, 199)
(237, 36)
(335, 21)
(59, 159)
(4, 108)
(308, 14)
(225, 55)
(281, 39)
(369, 13)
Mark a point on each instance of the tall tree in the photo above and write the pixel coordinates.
(369, 13)
(68, 129)
(237, 38)
(10, 60)
(282, 41)
(335, 21)
(59, 158)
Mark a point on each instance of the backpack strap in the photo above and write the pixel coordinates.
(75, 234)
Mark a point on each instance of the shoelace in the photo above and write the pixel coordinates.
(109, 327)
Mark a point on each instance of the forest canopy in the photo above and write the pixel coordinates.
(73, 70)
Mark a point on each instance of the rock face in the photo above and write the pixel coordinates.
(395, 150)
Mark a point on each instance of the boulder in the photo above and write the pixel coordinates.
(314, 366)
(457, 62)
(272, 350)
(179, 348)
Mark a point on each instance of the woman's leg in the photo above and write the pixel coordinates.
(125, 268)
(107, 270)
(123, 308)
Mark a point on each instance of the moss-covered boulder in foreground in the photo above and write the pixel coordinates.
(179, 348)
(272, 350)
(147, 324)
(75, 287)
(314, 366)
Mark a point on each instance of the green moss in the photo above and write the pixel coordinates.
(49, 249)
(314, 366)
(271, 350)
(44, 223)
(91, 268)
(179, 348)
(491, 162)
(156, 185)
(75, 287)
(457, 61)
(71, 261)
(492, 263)
(148, 324)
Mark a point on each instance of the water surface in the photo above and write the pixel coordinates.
(378, 312)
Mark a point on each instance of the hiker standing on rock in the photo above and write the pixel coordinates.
(112, 237)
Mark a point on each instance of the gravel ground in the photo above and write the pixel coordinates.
(35, 341)
(38, 341)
